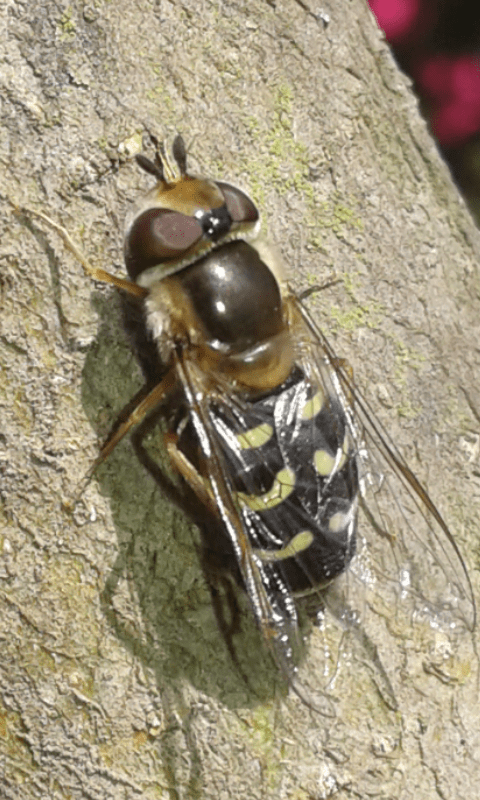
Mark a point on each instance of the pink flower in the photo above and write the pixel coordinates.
(401, 20)
(452, 85)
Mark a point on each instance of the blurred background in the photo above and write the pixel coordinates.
(437, 43)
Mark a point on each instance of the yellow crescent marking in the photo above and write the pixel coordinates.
(255, 437)
(283, 485)
(313, 406)
(296, 545)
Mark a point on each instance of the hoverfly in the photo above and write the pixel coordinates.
(296, 481)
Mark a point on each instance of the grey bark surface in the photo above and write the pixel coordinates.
(115, 682)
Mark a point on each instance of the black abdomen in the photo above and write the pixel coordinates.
(293, 473)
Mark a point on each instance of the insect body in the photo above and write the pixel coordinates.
(295, 479)
(262, 438)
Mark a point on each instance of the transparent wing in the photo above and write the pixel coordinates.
(273, 507)
(406, 570)
(407, 559)
(269, 595)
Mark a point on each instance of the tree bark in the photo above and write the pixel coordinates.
(115, 682)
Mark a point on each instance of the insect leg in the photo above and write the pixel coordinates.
(318, 287)
(93, 272)
(193, 478)
(168, 488)
(149, 403)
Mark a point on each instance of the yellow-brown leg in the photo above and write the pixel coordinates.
(92, 272)
(191, 475)
(149, 403)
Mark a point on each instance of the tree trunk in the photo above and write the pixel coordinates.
(115, 680)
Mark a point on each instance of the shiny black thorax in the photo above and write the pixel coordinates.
(235, 299)
(235, 296)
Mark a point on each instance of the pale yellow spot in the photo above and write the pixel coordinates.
(283, 485)
(299, 543)
(323, 462)
(339, 521)
(313, 406)
(326, 464)
(256, 437)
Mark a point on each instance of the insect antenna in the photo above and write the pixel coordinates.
(165, 168)
(180, 154)
(158, 150)
(154, 168)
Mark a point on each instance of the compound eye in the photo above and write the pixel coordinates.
(158, 235)
(166, 234)
(240, 207)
